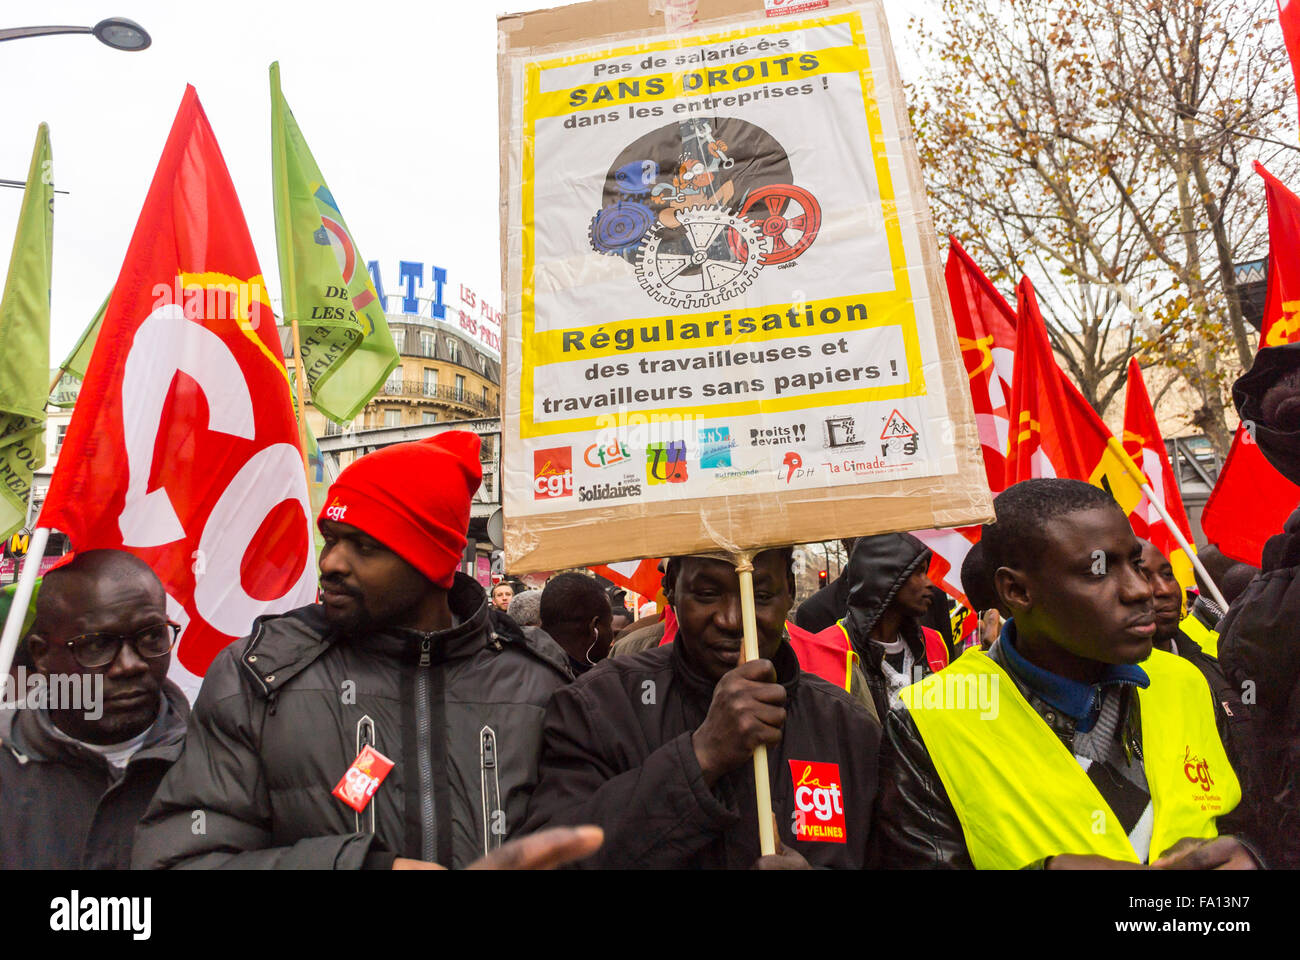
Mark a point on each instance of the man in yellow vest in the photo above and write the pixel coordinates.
(1070, 743)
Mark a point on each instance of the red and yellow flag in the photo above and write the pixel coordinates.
(1251, 500)
(1055, 432)
(986, 332)
(1142, 442)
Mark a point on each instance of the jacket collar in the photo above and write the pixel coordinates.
(1078, 700)
(280, 647)
(34, 735)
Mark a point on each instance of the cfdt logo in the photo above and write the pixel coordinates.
(552, 473)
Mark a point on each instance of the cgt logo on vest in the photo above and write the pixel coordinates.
(1197, 770)
(819, 802)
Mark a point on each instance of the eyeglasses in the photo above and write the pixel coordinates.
(100, 649)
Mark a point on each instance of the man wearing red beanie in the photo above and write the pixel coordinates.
(396, 722)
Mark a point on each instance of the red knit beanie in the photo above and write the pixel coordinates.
(414, 499)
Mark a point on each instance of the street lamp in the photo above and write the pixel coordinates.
(116, 32)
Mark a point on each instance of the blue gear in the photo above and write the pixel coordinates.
(620, 227)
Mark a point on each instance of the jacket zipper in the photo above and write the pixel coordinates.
(424, 760)
(491, 789)
(366, 738)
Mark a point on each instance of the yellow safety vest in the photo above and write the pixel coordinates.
(1021, 795)
(1203, 635)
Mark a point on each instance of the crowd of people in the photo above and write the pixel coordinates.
(1100, 716)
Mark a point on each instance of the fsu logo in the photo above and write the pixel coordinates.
(1196, 770)
(553, 473)
(819, 802)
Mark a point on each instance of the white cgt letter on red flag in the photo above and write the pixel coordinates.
(183, 446)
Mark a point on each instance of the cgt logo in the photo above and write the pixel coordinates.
(336, 511)
(818, 801)
(1197, 770)
(552, 473)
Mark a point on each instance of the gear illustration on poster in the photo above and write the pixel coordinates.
(699, 207)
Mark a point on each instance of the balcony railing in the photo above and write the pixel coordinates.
(416, 390)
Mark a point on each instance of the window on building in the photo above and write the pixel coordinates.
(399, 339)
(392, 418)
(453, 350)
(430, 417)
(460, 387)
(485, 399)
(393, 385)
(426, 344)
(430, 382)
(58, 441)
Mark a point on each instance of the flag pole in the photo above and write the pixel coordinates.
(1140, 479)
(744, 563)
(18, 609)
(297, 393)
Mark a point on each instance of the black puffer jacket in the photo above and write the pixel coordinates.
(878, 568)
(618, 753)
(283, 714)
(1259, 639)
(62, 807)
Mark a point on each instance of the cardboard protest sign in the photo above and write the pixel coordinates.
(726, 319)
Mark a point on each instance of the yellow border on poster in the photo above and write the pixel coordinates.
(901, 297)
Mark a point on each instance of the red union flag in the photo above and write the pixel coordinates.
(1251, 500)
(639, 576)
(183, 446)
(1142, 442)
(986, 332)
(1288, 15)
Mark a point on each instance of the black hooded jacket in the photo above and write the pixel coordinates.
(878, 568)
(64, 807)
(617, 753)
(1259, 638)
(282, 715)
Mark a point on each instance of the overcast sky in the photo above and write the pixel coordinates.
(398, 102)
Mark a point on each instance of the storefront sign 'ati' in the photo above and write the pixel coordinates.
(726, 321)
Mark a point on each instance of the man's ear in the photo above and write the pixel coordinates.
(1013, 589)
(39, 648)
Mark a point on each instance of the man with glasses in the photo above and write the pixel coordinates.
(98, 723)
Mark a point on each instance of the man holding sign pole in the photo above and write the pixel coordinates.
(655, 748)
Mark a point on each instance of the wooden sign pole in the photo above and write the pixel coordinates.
(744, 563)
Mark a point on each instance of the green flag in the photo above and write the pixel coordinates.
(72, 371)
(347, 350)
(25, 340)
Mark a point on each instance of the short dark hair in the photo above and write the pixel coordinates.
(59, 587)
(674, 566)
(1015, 538)
(977, 580)
(572, 598)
